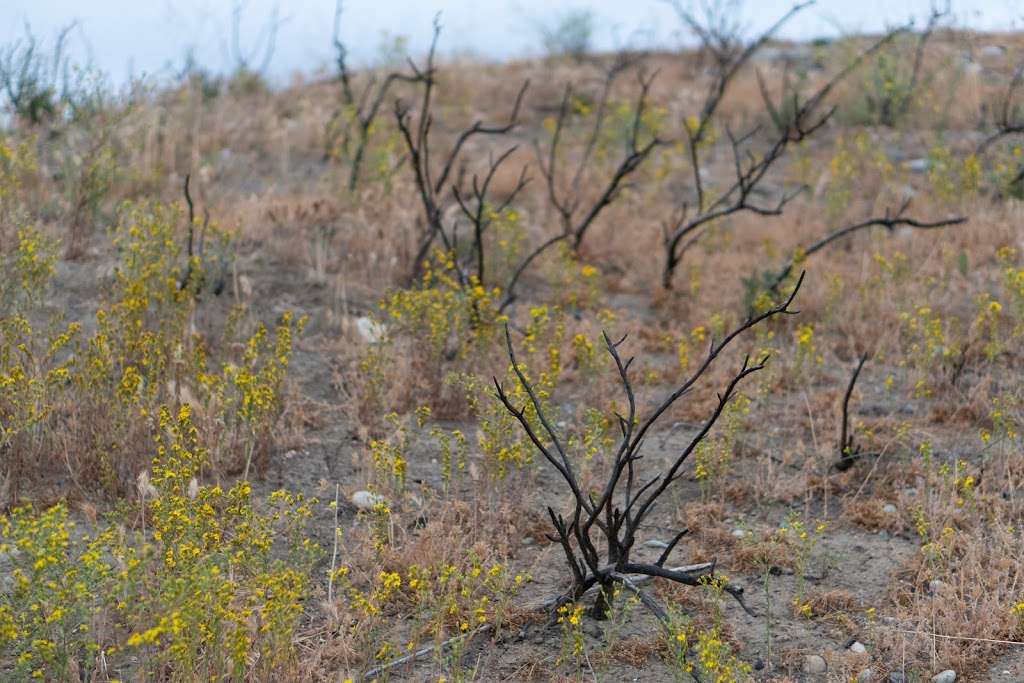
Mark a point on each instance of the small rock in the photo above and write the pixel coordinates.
(655, 543)
(814, 664)
(245, 286)
(858, 647)
(917, 165)
(991, 52)
(947, 676)
(369, 329)
(740, 533)
(366, 500)
(935, 586)
(866, 676)
(889, 509)
(897, 677)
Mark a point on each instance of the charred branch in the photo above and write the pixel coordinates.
(416, 135)
(849, 451)
(358, 111)
(576, 217)
(889, 221)
(615, 513)
(750, 170)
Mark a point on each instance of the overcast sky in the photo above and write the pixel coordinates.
(124, 37)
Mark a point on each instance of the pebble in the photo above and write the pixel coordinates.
(889, 509)
(858, 647)
(369, 329)
(814, 664)
(917, 165)
(366, 500)
(947, 676)
(739, 533)
(897, 677)
(935, 586)
(866, 676)
(655, 543)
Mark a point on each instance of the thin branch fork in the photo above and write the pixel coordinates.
(888, 221)
(629, 495)
(576, 220)
(479, 214)
(1009, 121)
(417, 141)
(723, 42)
(265, 40)
(364, 107)
(737, 197)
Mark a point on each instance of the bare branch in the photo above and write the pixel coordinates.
(888, 221)
(805, 121)
(620, 509)
(569, 204)
(848, 452)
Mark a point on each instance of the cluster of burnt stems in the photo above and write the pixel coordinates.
(630, 492)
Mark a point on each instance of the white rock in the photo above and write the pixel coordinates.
(866, 676)
(740, 533)
(814, 664)
(369, 329)
(917, 165)
(366, 500)
(245, 286)
(889, 509)
(655, 543)
(947, 676)
(858, 647)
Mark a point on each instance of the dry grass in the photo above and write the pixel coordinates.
(915, 546)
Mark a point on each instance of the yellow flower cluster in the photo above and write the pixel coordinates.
(442, 307)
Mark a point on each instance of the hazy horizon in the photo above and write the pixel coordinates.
(131, 40)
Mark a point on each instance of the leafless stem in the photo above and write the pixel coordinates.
(618, 509)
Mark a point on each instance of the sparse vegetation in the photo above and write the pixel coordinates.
(343, 380)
